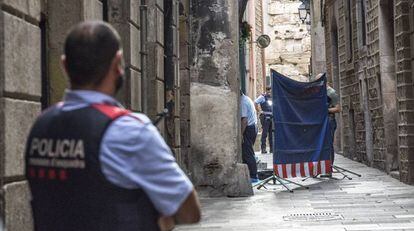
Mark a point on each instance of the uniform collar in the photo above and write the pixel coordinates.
(89, 97)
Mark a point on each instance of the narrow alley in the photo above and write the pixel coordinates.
(375, 201)
(185, 101)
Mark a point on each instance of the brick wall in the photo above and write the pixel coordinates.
(32, 33)
(172, 76)
(369, 79)
(373, 75)
(410, 127)
(154, 95)
(357, 64)
(352, 115)
(405, 91)
(125, 17)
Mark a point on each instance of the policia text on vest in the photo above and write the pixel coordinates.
(63, 153)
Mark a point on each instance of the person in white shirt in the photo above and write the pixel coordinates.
(249, 132)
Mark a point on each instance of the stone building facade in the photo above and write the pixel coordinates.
(290, 50)
(256, 67)
(369, 60)
(170, 63)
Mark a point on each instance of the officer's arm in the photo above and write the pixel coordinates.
(256, 105)
(243, 124)
(258, 101)
(189, 212)
(335, 109)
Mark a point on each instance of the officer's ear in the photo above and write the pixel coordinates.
(118, 63)
(64, 64)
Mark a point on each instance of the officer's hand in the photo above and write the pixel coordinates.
(166, 223)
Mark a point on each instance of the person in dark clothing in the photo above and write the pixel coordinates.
(333, 108)
(249, 132)
(266, 117)
(93, 165)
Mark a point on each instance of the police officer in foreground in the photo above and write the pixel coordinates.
(266, 116)
(94, 166)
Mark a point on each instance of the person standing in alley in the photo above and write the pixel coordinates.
(94, 166)
(333, 108)
(249, 133)
(266, 116)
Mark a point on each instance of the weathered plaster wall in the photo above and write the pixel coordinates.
(318, 38)
(215, 118)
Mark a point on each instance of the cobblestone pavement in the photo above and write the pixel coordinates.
(375, 201)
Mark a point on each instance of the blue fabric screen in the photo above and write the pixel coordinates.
(301, 141)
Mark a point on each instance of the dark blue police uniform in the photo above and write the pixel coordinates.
(69, 190)
(266, 121)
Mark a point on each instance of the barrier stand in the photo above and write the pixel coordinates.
(282, 181)
(338, 170)
(342, 170)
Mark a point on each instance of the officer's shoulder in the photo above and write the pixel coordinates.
(132, 120)
(141, 118)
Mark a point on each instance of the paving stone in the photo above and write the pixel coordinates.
(375, 201)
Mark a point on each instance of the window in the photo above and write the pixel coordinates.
(363, 11)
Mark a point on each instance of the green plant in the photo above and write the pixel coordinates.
(245, 31)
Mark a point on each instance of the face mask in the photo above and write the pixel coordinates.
(119, 83)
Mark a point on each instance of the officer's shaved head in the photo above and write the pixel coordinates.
(89, 49)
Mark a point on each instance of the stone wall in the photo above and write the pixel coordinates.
(214, 89)
(255, 63)
(154, 94)
(32, 34)
(157, 37)
(405, 93)
(60, 16)
(260, 53)
(172, 75)
(290, 49)
(185, 121)
(375, 80)
(20, 92)
(409, 133)
(125, 17)
(317, 38)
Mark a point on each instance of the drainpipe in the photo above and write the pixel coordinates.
(144, 53)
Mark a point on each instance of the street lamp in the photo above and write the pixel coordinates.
(303, 13)
(263, 41)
